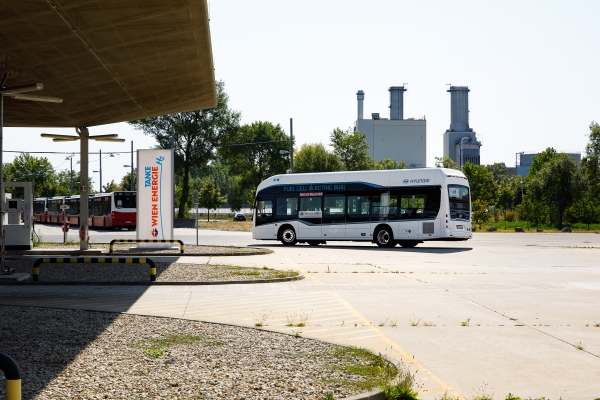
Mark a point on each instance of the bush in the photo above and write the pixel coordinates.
(510, 216)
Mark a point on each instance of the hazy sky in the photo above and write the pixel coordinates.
(531, 66)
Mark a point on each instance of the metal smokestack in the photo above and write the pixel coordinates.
(360, 96)
(397, 102)
(459, 108)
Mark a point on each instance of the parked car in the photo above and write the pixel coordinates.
(239, 217)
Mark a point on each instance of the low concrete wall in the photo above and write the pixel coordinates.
(184, 223)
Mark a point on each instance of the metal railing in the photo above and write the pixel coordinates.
(13, 377)
(112, 242)
(93, 260)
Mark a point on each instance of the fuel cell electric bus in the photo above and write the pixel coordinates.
(387, 207)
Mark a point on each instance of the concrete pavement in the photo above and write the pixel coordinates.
(500, 313)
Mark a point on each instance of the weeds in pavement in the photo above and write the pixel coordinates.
(261, 319)
(466, 322)
(298, 320)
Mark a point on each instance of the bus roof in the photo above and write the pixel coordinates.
(393, 177)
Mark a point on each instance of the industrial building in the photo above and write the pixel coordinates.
(524, 160)
(460, 141)
(396, 138)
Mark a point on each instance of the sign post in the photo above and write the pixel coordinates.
(65, 227)
(154, 200)
(196, 205)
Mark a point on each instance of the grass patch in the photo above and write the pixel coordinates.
(157, 347)
(154, 353)
(510, 227)
(371, 371)
(403, 389)
(260, 273)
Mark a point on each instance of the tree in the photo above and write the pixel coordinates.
(352, 149)
(541, 159)
(314, 157)
(446, 162)
(525, 210)
(388, 163)
(27, 168)
(126, 181)
(481, 182)
(498, 170)
(62, 184)
(210, 196)
(253, 154)
(110, 187)
(591, 163)
(587, 210)
(196, 134)
(505, 198)
(560, 185)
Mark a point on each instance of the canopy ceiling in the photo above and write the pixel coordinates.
(110, 60)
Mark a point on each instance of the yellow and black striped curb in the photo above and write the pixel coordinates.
(13, 377)
(112, 242)
(93, 260)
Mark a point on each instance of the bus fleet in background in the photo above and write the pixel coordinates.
(114, 210)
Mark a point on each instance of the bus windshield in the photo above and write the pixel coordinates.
(459, 202)
(125, 200)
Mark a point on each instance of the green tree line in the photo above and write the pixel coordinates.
(556, 191)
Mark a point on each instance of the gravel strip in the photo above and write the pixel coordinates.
(189, 249)
(77, 354)
(165, 272)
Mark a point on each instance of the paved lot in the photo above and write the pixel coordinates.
(528, 300)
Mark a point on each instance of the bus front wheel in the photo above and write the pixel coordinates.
(384, 237)
(287, 235)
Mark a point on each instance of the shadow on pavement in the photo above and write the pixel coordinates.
(432, 250)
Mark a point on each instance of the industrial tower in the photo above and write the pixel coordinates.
(460, 142)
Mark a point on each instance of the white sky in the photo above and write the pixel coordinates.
(532, 67)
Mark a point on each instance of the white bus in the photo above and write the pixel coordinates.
(387, 207)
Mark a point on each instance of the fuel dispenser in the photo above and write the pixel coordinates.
(17, 217)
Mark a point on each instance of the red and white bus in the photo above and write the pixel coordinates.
(106, 210)
(113, 210)
(40, 210)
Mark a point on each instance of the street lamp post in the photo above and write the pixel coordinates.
(284, 152)
(70, 158)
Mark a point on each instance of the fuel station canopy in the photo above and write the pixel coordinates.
(110, 60)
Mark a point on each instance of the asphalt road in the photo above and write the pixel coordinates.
(502, 313)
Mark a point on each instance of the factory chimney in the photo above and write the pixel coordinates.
(459, 108)
(360, 96)
(397, 102)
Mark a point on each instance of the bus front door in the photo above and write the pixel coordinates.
(309, 217)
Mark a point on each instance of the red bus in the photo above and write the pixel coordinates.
(40, 210)
(113, 210)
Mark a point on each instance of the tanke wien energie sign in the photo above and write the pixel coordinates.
(154, 196)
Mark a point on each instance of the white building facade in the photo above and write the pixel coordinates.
(396, 138)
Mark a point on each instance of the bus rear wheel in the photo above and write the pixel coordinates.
(408, 243)
(287, 236)
(384, 237)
